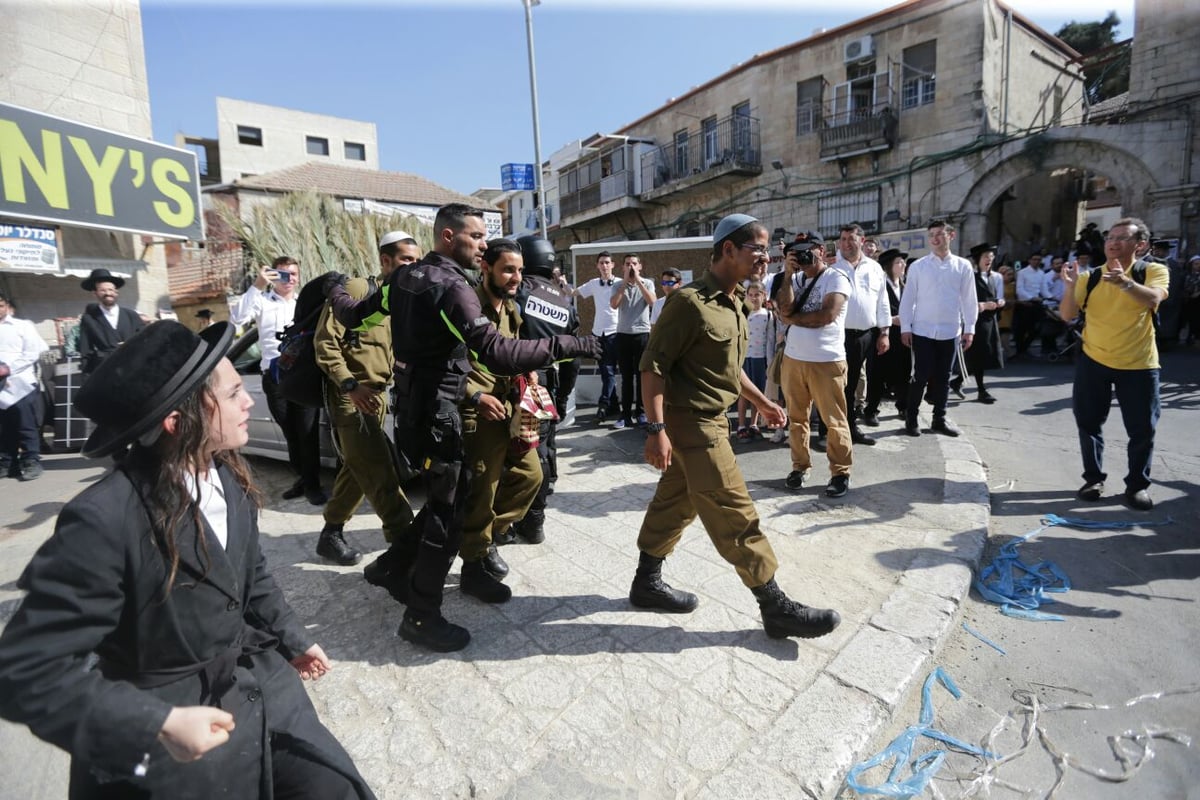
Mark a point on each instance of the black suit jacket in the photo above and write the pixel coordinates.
(96, 587)
(97, 339)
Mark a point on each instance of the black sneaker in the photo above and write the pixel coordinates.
(838, 486)
(31, 469)
(1091, 491)
(795, 479)
(433, 632)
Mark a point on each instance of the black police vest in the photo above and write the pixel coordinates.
(545, 309)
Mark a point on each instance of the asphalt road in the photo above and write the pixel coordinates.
(1130, 614)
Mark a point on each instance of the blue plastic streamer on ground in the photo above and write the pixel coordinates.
(924, 767)
(1020, 588)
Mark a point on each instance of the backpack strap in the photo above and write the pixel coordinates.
(1093, 282)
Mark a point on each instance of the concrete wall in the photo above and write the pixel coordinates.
(284, 133)
(83, 61)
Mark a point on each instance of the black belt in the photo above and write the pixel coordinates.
(217, 672)
(857, 332)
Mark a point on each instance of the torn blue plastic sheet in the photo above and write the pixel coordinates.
(984, 639)
(1020, 588)
(900, 751)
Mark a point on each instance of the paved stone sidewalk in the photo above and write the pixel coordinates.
(567, 691)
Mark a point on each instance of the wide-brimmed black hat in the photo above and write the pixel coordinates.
(204, 313)
(980, 249)
(145, 379)
(888, 256)
(101, 276)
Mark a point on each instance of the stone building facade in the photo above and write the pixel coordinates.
(958, 109)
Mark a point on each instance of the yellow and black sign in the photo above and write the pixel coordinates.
(55, 170)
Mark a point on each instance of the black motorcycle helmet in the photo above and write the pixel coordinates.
(538, 255)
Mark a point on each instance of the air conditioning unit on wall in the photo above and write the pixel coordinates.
(859, 49)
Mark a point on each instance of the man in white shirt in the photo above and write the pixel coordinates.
(20, 417)
(271, 304)
(604, 327)
(937, 306)
(868, 316)
(813, 302)
(1027, 314)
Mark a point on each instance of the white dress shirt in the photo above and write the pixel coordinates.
(20, 348)
(867, 306)
(211, 499)
(1029, 283)
(271, 314)
(939, 298)
(1052, 288)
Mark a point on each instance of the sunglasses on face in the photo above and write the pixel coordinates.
(669, 283)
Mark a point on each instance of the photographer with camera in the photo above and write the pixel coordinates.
(632, 299)
(271, 303)
(812, 300)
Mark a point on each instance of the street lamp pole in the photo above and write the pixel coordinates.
(537, 130)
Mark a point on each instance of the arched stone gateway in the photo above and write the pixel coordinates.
(1079, 148)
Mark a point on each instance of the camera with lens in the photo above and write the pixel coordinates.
(805, 252)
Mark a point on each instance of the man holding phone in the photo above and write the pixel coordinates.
(271, 303)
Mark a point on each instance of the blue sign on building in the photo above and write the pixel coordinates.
(517, 176)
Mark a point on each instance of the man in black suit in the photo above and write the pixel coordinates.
(104, 325)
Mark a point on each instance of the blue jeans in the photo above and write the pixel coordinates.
(1137, 395)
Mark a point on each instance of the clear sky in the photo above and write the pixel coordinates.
(447, 82)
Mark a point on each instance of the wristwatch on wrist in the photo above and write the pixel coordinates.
(655, 427)
(349, 385)
(475, 398)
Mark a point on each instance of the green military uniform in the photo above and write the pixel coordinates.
(368, 460)
(697, 346)
(486, 444)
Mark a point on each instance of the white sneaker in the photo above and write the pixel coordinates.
(779, 436)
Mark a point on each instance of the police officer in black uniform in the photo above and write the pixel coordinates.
(436, 321)
(546, 310)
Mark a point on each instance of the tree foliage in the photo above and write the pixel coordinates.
(316, 230)
(1107, 73)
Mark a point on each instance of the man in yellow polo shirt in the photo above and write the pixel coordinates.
(1119, 354)
(691, 373)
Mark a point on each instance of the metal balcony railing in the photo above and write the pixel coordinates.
(729, 144)
(847, 131)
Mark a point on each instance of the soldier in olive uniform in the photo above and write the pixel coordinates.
(358, 367)
(487, 412)
(691, 373)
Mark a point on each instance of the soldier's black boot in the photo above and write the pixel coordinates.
(430, 630)
(532, 528)
(391, 570)
(649, 590)
(478, 582)
(784, 617)
(333, 546)
(496, 566)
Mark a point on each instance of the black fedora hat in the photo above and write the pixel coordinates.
(146, 379)
(888, 256)
(101, 276)
(980, 249)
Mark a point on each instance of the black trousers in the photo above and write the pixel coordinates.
(630, 347)
(859, 345)
(1026, 318)
(931, 365)
(20, 429)
(301, 431)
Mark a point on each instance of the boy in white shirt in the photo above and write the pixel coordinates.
(755, 364)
